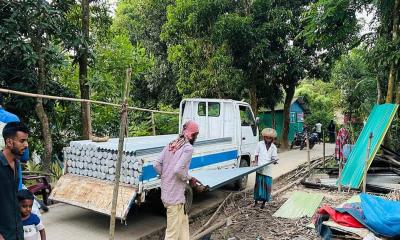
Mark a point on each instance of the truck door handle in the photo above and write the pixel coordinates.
(243, 138)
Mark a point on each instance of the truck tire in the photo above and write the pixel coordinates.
(241, 183)
(188, 198)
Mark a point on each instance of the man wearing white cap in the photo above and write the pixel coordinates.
(266, 152)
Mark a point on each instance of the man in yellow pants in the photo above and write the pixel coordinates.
(173, 168)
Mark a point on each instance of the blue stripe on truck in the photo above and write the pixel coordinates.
(197, 162)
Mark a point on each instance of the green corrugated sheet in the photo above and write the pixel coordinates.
(300, 204)
(378, 123)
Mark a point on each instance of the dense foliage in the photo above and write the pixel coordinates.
(259, 51)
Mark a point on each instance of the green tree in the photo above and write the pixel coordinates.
(323, 99)
(353, 77)
(86, 22)
(142, 21)
(30, 31)
(333, 27)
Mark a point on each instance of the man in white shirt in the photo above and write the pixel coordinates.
(266, 152)
(318, 129)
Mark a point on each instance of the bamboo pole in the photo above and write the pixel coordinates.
(340, 173)
(124, 116)
(364, 187)
(153, 124)
(308, 154)
(323, 147)
(34, 95)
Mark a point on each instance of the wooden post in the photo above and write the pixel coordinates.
(124, 116)
(308, 154)
(340, 173)
(364, 187)
(323, 147)
(153, 124)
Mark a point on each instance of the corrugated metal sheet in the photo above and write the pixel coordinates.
(214, 179)
(300, 204)
(378, 123)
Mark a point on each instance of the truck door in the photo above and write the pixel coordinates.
(249, 131)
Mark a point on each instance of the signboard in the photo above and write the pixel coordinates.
(300, 117)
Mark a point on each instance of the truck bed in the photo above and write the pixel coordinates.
(90, 171)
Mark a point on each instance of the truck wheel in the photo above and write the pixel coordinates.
(188, 198)
(241, 183)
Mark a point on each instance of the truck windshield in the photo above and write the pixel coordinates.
(247, 119)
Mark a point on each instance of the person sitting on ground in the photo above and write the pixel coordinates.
(266, 152)
(31, 222)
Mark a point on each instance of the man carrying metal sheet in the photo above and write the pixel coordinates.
(266, 152)
(173, 168)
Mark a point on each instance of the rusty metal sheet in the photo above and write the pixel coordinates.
(93, 194)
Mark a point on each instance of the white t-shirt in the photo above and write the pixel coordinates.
(318, 127)
(265, 156)
(32, 226)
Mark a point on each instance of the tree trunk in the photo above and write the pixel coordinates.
(393, 67)
(41, 113)
(253, 98)
(378, 91)
(83, 71)
(286, 116)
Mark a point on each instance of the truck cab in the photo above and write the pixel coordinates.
(219, 119)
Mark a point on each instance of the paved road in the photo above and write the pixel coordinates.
(65, 222)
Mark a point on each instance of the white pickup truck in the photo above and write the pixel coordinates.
(227, 140)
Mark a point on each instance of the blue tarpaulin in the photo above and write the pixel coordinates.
(382, 216)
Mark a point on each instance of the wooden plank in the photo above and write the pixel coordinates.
(93, 194)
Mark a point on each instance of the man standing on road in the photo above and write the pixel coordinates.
(318, 129)
(331, 131)
(15, 135)
(173, 168)
(6, 117)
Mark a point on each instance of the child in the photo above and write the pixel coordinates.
(30, 221)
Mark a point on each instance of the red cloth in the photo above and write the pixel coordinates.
(344, 219)
(342, 139)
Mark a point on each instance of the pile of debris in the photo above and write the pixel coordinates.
(249, 222)
(383, 175)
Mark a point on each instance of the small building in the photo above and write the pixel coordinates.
(297, 110)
